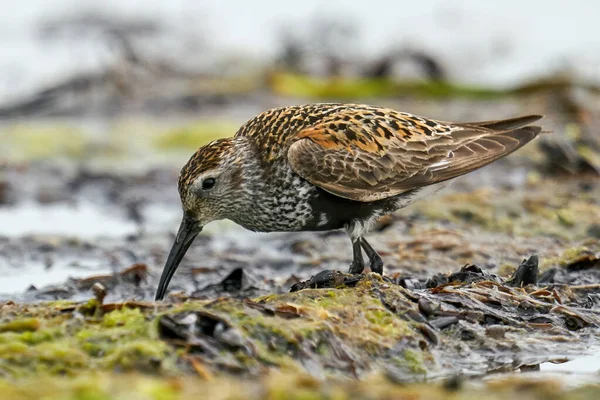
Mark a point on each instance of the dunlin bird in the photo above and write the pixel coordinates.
(331, 166)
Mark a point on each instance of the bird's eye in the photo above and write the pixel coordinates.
(208, 183)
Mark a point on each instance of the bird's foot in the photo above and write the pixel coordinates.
(356, 268)
(358, 264)
(376, 265)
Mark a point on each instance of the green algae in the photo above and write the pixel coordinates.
(332, 333)
(283, 330)
(547, 209)
(143, 355)
(367, 323)
(20, 325)
(279, 386)
(127, 139)
(40, 141)
(338, 87)
(414, 361)
(192, 136)
(572, 255)
(41, 335)
(279, 328)
(127, 318)
(68, 343)
(47, 357)
(348, 88)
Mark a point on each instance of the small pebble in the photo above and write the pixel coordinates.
(99, 291)
(426, 307)
(495, 331)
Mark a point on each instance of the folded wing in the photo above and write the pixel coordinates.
(369, 159)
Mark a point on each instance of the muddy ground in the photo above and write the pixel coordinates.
(98, 206)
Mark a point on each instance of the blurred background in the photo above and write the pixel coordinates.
(101, 103)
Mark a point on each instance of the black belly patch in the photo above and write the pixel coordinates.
(339, 212)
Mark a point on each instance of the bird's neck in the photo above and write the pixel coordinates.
(271, 196)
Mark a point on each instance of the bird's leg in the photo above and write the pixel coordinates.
(374, 258)
(358, 263)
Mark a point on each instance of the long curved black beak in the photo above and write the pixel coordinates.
(188, 230)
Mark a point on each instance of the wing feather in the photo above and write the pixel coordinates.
(367, 164)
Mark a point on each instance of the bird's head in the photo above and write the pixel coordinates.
(211, 187)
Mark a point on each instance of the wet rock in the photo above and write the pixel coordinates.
(526, 273)
(408, 282)
(436, 280)
(415, 316)
(429, 333)
(327, 279)
(469, 274)
(586, 260)
(443, 322)
(547, 276)
(495, 331)
(205, 333)
(234, 281)
(238, 283)
(426, 307)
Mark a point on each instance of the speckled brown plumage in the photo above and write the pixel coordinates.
(330, 166)
(205, 159)
(367, 153)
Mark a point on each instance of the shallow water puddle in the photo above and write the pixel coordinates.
(589, 364)
(16, 280)
(83, 220)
